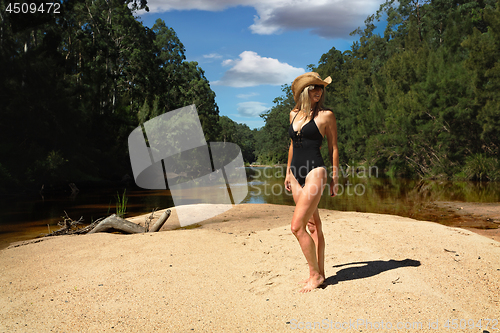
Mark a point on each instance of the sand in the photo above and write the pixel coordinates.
(240, 272)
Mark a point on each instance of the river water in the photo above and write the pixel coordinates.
(363, 191)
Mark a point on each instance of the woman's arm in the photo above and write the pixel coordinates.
(333, 150)
(288, 186)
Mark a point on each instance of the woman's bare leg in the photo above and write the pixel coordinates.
(296, 191)
(316, 231)
(306, 200)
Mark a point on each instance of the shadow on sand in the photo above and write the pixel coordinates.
(369, 268)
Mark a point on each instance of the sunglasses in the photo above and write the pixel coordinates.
(315, 86)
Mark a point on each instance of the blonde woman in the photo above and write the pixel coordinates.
(306, 174)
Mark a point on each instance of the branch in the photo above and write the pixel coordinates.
(161, 221)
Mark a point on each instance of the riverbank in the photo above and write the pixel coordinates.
(240, 271)
(481, 218)
(28, 218)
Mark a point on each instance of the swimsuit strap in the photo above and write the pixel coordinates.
(294, 118)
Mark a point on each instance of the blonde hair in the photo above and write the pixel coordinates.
(304, 103)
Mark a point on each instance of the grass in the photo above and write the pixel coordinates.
(121, 204)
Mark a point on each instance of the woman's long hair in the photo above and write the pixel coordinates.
(304, 104)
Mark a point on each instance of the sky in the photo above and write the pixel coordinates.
(249, 49)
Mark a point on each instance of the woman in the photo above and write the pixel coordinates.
(306, 174)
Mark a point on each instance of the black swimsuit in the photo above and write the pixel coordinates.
(306, 153)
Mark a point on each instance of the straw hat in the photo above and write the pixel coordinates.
(307, 79)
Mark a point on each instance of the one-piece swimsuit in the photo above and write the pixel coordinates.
(306, 153)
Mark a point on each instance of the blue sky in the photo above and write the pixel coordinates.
(249, 49)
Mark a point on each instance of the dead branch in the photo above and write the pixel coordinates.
(161, 221)
(68, 226)
(148, 219)
(88, 228)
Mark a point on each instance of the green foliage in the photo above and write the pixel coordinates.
(121, 204)
(273, 139)
(75, 84)
(52, 169)
(483, 64)
(420, 100)
(480, 167)
(239, 134)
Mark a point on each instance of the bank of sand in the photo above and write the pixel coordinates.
(241, 271)
(481, 217)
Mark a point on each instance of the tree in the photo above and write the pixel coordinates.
(484, 66)
(240, 134)
(273, 138)
(75, 84)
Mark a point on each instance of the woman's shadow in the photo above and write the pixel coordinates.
(369, 269)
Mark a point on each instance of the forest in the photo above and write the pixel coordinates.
(418, 99)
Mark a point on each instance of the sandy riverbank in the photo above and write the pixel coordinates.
(240, 272)
(480, 217)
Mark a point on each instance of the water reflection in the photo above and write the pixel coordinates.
(24, 218)
(364, 192)
(27, 218)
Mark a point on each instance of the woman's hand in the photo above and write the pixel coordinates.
(288, 183)
(333, 187)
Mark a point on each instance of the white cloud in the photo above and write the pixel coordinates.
(246, 96)
(326, 18)
(227, 62)
(253, 70)
(212, 56)
(251, 109)
(213, 5)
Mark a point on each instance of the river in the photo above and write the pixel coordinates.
(23, 218)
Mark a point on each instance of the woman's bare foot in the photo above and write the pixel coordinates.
(312, 283)
(307, 280)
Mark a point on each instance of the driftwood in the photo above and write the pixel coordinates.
(117, 223)
(161, 221)
(149, 219)
(113, 222)
(68, 226)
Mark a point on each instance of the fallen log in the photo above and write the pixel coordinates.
(117, 223)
